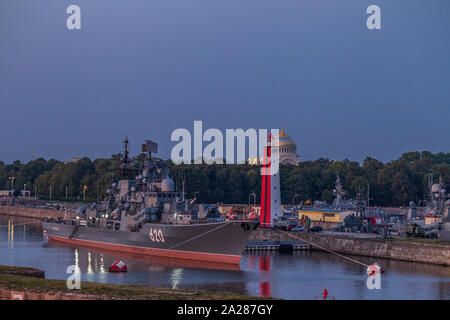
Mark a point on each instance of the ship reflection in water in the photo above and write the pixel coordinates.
(302, 275)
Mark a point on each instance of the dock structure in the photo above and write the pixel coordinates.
(282, 246)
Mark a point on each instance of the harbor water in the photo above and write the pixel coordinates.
(300, 275)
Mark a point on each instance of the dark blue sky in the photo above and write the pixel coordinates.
(147, 67)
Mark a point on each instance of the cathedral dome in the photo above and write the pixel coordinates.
(287, 149)
(284, 139)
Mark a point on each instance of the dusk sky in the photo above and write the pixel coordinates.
(144, 68)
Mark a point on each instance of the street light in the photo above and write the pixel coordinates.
(12, 185)
(423, 207)
(84, 193)
(254, 198)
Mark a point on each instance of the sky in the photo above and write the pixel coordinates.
(144, 68)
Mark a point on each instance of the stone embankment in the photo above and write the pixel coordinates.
(414, 251)
(31, 212)
(8, 294)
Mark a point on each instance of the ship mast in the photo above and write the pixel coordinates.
(125, 153)
(125, 159)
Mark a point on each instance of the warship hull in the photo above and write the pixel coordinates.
(212, 242)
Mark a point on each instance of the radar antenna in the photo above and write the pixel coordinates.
(125, 153)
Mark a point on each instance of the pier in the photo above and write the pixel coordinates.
(282, 246)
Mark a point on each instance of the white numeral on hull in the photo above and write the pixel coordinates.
(156, 235)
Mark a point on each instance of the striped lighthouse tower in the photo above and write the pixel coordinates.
(270, 187)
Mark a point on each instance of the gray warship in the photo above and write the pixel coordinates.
(144, 214)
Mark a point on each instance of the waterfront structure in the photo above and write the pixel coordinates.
(432, 219)
(324, 214)
(25, 193)
(6, 193)
(226, 208)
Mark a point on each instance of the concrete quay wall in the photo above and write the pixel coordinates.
(31, 212)
(397, 250)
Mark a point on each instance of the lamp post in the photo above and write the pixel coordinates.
(254, 198)
(423, 207)
(84, 193)
(50, 193)
(293, 199)
(12, 185)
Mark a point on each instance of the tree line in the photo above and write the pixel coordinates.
(394, 183)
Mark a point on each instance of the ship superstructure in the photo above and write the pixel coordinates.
(150, 197)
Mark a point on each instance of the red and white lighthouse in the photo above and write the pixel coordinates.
(270, 187)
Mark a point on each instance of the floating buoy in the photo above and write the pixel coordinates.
(373, 269)
(118, 266)
(325, 294)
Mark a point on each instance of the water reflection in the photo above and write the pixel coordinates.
(89, 268)
(10, 234)
(302, 275)
(17, 229)
(102, 265)
(76, 258)
(264, 265)
(175, 277)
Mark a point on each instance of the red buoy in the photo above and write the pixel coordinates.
(325, 294)
(118, 266)
(373, 269)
